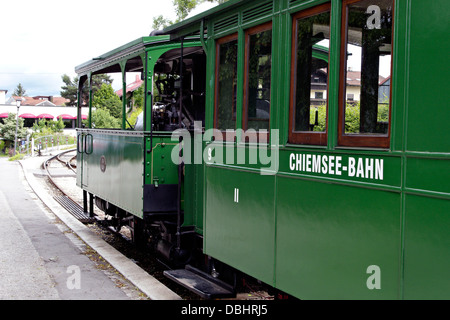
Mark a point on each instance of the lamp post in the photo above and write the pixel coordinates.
(17, 125)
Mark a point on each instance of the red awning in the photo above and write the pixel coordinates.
(84, 117)
(66, 117)
(45, 116)
(4, 115)
(28, 116)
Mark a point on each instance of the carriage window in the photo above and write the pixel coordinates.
(258, 65)
(309, 76)
(365, 73)
(226, 82)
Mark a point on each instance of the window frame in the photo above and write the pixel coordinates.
(248, 33)
(227, 132)
(359, 140)
(306, 137)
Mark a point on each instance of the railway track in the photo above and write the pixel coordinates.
(65, 161)
(61, 173)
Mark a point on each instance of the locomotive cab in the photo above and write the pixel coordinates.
(130, 171)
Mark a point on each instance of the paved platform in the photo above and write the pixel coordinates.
(42, 258)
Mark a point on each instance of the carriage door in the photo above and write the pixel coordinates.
(79, 158)
(84, 149)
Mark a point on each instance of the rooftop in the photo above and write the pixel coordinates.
(39, 101)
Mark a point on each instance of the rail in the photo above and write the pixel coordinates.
(64, 199)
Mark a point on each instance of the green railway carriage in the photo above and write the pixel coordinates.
(315, 146)
(130, 172)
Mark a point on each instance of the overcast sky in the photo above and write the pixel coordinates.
(43, 39)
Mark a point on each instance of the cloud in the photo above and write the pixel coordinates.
(42, 40)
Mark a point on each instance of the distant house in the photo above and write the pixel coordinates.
(130, 89)
(39, 101)
(319, 79)
(3, 96)
(319, 87)
(354, 85)
(384, 90)
(33, 109)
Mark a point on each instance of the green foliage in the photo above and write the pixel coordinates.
(47, 127)
(183, 7)
(182, 10)
(70, 89)
(383, 113)
(106, 98)
(133, 117)
(160, 22)
(353, 114)
(322, 118)
(352, 118)
(138, 97)
(8, 128)
(18, 156)
(101, 118)
(20, 91)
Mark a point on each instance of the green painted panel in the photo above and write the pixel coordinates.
(427, 248)
(428, 110)
(160, 168)
(428, 174)
(328, 235)
(159, 165)
(361, 168)
(239, 221)
(121, 182)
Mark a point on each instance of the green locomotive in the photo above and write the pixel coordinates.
(302, 143)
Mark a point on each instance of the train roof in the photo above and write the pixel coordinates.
(108, 61)
(192, 25)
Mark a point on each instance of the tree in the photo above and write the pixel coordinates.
(20, 91)
(160, 22)
(47, 127)
(106, 98)
(8, 129)
(183, 7)
(182, 10)
(70, 89)
(101, 118)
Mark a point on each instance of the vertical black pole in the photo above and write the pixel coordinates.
(91, 205)
(181, 84)
(85, 205)
(180, 165)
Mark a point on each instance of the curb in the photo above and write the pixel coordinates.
(154, 289)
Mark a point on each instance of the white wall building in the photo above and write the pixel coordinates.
(3, 96)
(41, 110)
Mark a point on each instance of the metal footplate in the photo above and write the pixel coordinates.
(74, 208)
(201, 283)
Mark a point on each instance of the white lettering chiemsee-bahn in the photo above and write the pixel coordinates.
(360, 167)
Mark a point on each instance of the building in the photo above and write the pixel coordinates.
(33, 109)
(131, 87)
(129, 91)
(353, 87)
(39, 101)
(3, 96)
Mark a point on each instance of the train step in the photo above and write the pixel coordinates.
(201, 283)
(74, 208)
